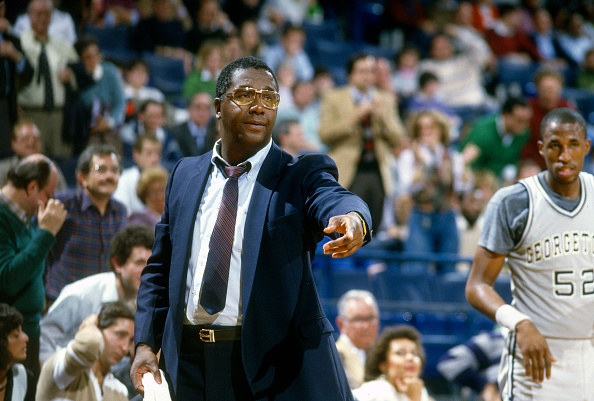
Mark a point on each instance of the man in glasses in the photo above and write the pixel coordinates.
(94, 218)
(228, 296)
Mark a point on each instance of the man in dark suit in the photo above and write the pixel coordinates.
(197, 135)
(268, 337)
(15, 72)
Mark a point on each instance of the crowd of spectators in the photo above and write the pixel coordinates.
(419, 118)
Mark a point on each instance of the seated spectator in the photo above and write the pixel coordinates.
(209, 62)
(460, 74)
(393, 367)
(102, 95)
(101, 341)
(136, 91)
(474, 364)
(290, 50)
(276, 14)
(18, 381)
(574, 38)
(431, 174)
(151, 191)
(109, 13)
(383, 77)
(427, 98)
(240, 11)
(306, 110)
(211, 24)
(161, 33)
(25, 141)
(288, 135)
(546, 40)
(232, 47)
(469, 221)
(484, 15)
(250, 38)
(585, 79)
(146, 153)
(496, 141)
(197, 135)
(358, 322)
(61, 25)
(287, 78)
(150, 121)
(507, 40)
(549, 96)
(406, 76)
(128, 253)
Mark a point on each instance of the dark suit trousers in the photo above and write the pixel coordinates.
(210, 371)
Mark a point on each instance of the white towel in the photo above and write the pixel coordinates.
(154, 391)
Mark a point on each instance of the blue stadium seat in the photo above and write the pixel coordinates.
(167, 74)
(344, 280)
(450, 287)
(522, 75)
(398, 286)
(113, 42)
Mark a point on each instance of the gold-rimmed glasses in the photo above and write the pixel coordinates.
(245, 96)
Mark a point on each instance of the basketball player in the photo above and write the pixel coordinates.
(544, 225)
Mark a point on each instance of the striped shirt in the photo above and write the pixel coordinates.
(82, 245)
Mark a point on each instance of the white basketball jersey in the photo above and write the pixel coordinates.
(552, 267)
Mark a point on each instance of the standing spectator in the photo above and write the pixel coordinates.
(209, 62)
(549, 88)
(23, 247)
(197, 135)
(82, 371)
(359, 124)
(431, 174)
(290, 49)
(43, 99)
(128, 253)
(474, 364)
(61, 26)
(393, 367)
(82, 245)
(150, 189)
(495, 142)
(484, 15)
(146, 153)
(15, 72)
(25, 141)
(358, 322)
(19, 383)
(103, 98)
(469, 221)
(529, 226)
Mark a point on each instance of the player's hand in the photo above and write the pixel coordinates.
(351, 228)
(145, 360)
(412, 386)
(535, 350)
(51, 217)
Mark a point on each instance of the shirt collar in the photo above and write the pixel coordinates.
(87, 203)
(18, 211)
(256, 160)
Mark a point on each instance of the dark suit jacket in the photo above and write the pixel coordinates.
(187, 143)
(287, 345)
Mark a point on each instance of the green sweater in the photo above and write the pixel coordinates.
(495, 155)
(22, 263)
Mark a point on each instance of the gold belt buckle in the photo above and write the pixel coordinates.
(207, 335)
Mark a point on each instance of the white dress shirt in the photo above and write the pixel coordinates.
(203, 227)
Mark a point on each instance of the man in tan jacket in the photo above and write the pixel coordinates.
(358, 322)
(82, 370)
(360, 126)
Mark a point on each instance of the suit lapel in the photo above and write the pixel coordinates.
(255, 220)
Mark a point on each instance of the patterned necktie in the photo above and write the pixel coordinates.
(45, 74)
(216, 273)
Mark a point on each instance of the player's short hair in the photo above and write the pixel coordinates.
(562, 115)
(111, 311)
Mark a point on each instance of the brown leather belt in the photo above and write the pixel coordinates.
(211, 334)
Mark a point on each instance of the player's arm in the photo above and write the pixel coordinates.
(481, 295)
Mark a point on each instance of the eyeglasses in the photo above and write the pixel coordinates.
(245, 96)
(363, 319)
(102, 169)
